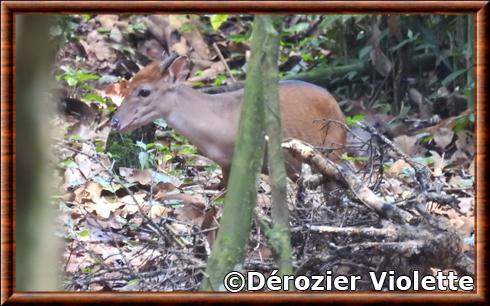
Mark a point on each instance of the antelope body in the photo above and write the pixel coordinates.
(210, 122)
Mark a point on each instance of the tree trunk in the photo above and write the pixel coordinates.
(279, 236)
(37, 249)
(230, 247)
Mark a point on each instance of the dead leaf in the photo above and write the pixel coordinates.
(73, 177)
(183, 197)
(210, 73)
(417, 98)
(443, 137)
(85, 164)
(116, 91)
(158, 211)
(89, 192)
(439, 163)
(96, 46)
(264, 252)
(180, 47)
(457, 181)
(116, 35)
(471, 169)
(398, 167)
(103, 208)
(458, 159)
(147, 176)
(196, 40)
(152, 49)
(107, 21)
(466, 204)
(407, 144)
(191, 212)
(465, 142)
(131, 206)
(144, 177)
(210, 221)
(263, 202)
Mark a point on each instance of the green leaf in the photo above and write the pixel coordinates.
(364, 51)
(75, 77)
(353, 158)
(93, 97)
(451, 77)
(87, 270)
(299, 27)
(461, 124)
(133, 281)
(144, 159)
(109, 186)
(84, 233)
(86, 17)
(187, 28)
(161, 123)
(220, 79)
(99, 146)
(351, 75)
(217, 21)
(426, 139)
(55, 31)
(307, 57)
(410, 33)
(238, 38)
(161, 178)
(68, 163)
(174, 203)
(103, 31)
(352, 120)
(141, 145)
(423, 160)
(139, 27)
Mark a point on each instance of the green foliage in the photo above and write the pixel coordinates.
(238, 38)
(411, 38)
(352, 120)
(463, 122)
(138, 154)
(93, 97)
(67, 163)
(121, 149)
(137, 27)
(220, 80)
(148, 156)
(66, 26)
(347, 157)
(426, 138)
(104, 30)
(75, 77)
(87, 270)
(217, 21)
(84, 233)
(453, 76)
(297, 28)
(108, 184)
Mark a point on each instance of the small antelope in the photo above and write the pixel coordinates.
(210, 122)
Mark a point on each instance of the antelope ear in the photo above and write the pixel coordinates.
(178, 70)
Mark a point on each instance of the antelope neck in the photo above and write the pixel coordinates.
(210, 122)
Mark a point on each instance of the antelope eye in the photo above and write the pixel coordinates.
(144, 92)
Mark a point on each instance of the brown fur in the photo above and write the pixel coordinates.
(309, 113)
(150, 74)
